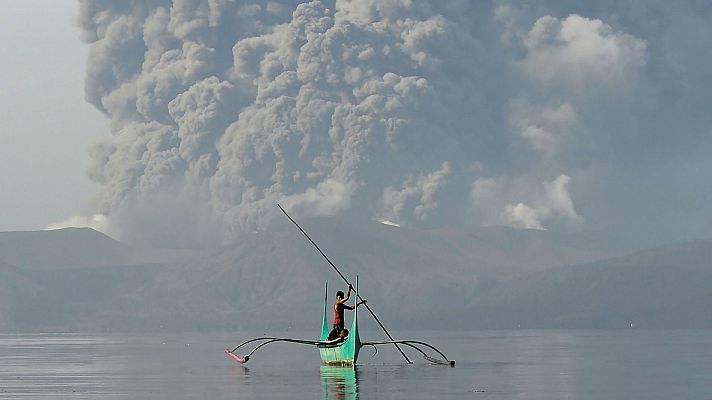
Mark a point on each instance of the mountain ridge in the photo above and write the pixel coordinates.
(481, 278)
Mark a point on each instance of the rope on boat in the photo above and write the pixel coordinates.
(412, 344)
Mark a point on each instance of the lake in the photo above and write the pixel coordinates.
(625, 364)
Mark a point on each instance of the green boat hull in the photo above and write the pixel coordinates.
(345, 353)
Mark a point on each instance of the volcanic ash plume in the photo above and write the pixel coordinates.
(222, 108)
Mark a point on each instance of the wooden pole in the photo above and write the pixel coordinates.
(347, 282)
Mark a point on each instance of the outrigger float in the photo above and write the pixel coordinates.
(341, 352)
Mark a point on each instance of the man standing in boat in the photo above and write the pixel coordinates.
(339, 307)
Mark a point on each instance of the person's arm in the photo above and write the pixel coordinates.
(348, 293)
(357, 304)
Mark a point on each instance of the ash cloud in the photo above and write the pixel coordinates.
(422, 113)
(327, 107)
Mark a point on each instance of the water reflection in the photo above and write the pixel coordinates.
(339, 382)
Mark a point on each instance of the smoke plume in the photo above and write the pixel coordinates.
(378, 109)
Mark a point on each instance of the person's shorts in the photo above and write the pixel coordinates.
(335, 332)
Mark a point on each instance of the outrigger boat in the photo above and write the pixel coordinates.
(341, 351)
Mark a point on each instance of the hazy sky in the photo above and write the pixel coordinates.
(590, 115)
(46, 123)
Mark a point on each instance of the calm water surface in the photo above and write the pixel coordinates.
(630, 364)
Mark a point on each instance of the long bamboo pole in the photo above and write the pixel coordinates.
(347, 282)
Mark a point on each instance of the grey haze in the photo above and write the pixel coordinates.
(80, 280)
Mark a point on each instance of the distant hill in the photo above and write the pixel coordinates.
(664, 287)
(81, 280)
(62, 248)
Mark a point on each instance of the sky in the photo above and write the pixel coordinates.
(185, 121)
(47, 125)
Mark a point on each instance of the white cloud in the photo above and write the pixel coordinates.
(521, 216)
(558, 200)
(524, 203)
(579, 54)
